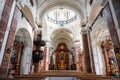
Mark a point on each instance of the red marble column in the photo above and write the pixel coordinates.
(34, 47)
(44, 59)
(116, 5)
(51, 63)
(20, 51)
(80, 62)
(106, 59)
(10, 41)
(86, 53)
(47, 58)
(36, 65)
(4, 19)
(76, 56)
(39, 66)
(91, 52)
(113, 31)
(82, 68)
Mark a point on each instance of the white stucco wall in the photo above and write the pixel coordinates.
(27, 52)
(98, 34)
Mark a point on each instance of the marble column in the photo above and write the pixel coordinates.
(51, 58)
(20, 51)
(91, 51)
(82, 68)
(6, 18)
(87, 60)
(51, 63)
(8, 41)
(47, 56)
(70, 61)
(116, 6)
(115, 12)
(54, 61)
(76, 47)
(104, 51)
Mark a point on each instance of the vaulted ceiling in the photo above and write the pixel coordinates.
(44, 6)
(71, 32)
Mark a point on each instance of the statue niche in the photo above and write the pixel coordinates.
(62, 56)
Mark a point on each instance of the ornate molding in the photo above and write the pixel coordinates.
(62, 22)
(22, 3)
(83, 30)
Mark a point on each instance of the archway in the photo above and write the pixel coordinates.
(21, 53)
(62, 35)
(102, 47)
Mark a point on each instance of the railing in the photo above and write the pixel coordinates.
(62, 22)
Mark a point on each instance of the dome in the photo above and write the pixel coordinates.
(61, 16)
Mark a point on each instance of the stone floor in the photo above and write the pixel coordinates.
(61, 78)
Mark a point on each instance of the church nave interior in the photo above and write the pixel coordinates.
(59, 39)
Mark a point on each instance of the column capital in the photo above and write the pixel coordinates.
(89, 28)
(83, 30)
(48, 44)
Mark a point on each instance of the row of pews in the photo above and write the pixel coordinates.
(61, 73)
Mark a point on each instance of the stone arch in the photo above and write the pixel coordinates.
(97, 52)
(98, 34)
(99, 30)
(57, 31)
(23, 36)
(62, 35)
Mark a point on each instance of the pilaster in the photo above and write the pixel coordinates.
(9, 35)
(5, 23)
(91, 51)
(47, 57)
(77, 47)
(114, 7)
(86, 50)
